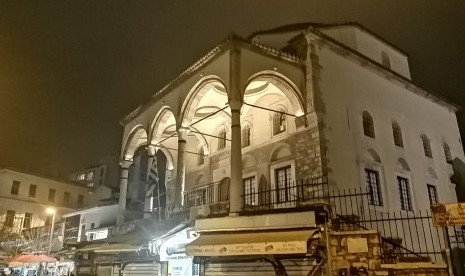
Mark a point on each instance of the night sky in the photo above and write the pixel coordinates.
(70, 70)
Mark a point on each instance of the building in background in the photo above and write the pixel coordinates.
(25, 196)
(243, 158)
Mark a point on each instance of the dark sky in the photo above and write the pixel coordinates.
(70, 70)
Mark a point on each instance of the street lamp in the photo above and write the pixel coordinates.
(51, 211)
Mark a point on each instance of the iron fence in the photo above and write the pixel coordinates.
(208, 194)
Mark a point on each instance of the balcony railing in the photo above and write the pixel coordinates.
(208, 194)
(286, 195)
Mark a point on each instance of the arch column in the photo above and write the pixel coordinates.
(123, 188)
(236, 187)
(181, 168)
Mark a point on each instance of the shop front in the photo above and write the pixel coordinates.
(173, 256)
(249, 247)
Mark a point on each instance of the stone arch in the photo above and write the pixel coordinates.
(194, 96)
(280, 152)
(137, 137)
(372, 155)
(203, 141)
(402, 164)
(290, 90)
(160, 123)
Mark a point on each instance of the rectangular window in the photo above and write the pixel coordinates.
(404, 191)
(66, 197)
(51, 195)
(432, 194)
(250, 191)
(80, 199)
(32, 190)
(283, 179)
(15, 187)
(90, 176)
(374, 188)
(81, 177)
(10, 218)
(27, 220)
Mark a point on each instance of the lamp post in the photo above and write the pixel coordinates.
(51, 211)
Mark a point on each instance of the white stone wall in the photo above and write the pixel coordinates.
(348, 88)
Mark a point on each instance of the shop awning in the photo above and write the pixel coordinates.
(250, 243)
(116, 248)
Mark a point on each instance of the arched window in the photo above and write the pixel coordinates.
(279, 121)
(385, 61)
(447, 153)
(246, 135)
(200, 157)
(222, 138)
(397, 133)
(368, 126)
(426, 146)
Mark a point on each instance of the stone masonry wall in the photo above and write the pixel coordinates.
(361, 251)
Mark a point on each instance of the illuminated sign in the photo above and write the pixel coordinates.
(248, 249)
(174, 248)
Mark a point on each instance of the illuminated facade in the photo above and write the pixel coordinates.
(25, 197)
(238, 134)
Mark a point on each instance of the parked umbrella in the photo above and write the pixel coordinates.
(31, 258)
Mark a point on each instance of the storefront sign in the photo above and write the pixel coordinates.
(295, 247)
(448, 214)
(174, 248)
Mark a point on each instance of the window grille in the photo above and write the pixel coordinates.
(283, 179)
(250, 191)
(432, 194)
(397, 133)
(404, 191)
(372, 180)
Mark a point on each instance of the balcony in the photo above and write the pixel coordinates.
(213, 200)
